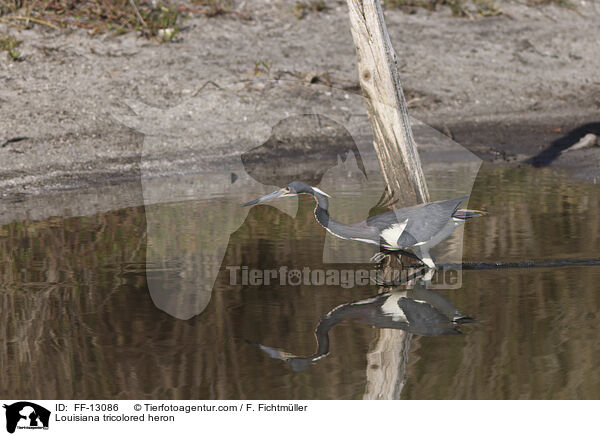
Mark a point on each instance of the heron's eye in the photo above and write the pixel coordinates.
(286, 190)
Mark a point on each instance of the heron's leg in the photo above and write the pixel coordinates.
(428, 276)
(384, 260)
(379, 256)
(407, 254)
(422, 273)
(383, 254)
(425, 257)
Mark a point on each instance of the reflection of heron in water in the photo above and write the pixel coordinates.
(420, 311)
(418, 228)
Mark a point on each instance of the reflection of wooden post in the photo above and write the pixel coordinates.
(386, 365)
(400, 164)
(380, 82)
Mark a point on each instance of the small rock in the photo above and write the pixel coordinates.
(166, 34)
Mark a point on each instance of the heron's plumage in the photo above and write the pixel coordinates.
(418, 228)
(424, 221)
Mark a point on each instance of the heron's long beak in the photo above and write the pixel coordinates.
(267, 197)
(295, 362)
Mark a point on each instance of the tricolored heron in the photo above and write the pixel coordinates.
(420, 311)
(416, 228)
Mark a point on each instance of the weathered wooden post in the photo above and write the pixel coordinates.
(400, 165)
(380, 83)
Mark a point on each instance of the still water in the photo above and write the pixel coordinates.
(78, 321)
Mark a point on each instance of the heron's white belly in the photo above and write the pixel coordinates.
(392, 309)
(393, 233)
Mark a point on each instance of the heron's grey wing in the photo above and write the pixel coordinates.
(443, 304)
(423, 221)
(424, 319)
(426, 221)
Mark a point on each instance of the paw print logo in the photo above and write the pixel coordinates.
(294, 277)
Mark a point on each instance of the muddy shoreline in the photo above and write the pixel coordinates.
(507, 88)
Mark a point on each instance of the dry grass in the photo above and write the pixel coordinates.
(151, 17)
(561, 3)
(9, 45)
(459, 8)
(468, 8)
(303, 8)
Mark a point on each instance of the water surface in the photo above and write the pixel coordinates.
(77, 319)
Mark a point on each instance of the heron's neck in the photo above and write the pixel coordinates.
(322, 201)
(334, 317)
(322, 333)
(323, 217)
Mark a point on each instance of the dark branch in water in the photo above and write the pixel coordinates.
(552, 152)
(551, 263)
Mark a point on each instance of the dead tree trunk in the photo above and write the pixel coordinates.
(400, 165)
(380, 83)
